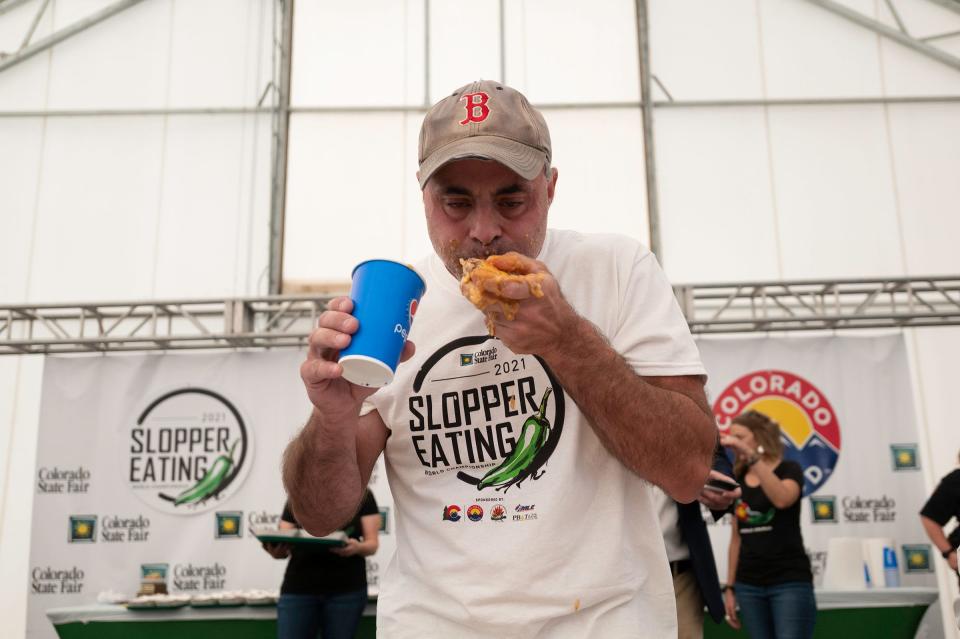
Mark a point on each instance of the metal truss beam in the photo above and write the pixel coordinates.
(888, 32)
(811, 305)
(666, 104)
(10, 5)
(158, 325)
(286, 321)
(67, 32)
(952, 5)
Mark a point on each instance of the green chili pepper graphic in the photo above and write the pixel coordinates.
(524, 460)
(209, 484)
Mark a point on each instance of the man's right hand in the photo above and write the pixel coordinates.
(952, 560)
(321, 373)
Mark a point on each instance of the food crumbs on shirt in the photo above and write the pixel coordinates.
(513, 402)
(576, 605)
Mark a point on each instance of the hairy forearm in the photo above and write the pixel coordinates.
(321, 474)
(661, 435)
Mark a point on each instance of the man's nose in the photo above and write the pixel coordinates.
(485, 226)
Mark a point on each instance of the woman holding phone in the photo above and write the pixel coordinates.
(769, 572)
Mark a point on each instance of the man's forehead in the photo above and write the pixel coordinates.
(472, 175)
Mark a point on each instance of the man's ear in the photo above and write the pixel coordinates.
(552, 184)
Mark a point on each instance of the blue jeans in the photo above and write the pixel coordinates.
(784, 611)
(302, 616)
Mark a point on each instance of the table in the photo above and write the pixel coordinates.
(892, 613)
(107, 621)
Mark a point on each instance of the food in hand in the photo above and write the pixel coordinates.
(483, 284)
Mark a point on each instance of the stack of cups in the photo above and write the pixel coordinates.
(846, 569)
(880, 558)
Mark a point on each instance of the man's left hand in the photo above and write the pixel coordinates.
(542, 323)
(718, 499)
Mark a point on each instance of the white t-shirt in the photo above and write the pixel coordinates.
(669, 518)
(571, 546)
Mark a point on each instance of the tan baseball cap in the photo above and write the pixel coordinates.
(484, 119)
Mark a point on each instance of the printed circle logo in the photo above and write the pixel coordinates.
(188, 450)
(412, 310)
(495, 425)
(808, 423)
(451, 513)
(475, 513)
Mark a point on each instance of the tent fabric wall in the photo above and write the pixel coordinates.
(178, 206)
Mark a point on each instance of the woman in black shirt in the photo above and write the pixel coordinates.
(326, 588)
(768, 567)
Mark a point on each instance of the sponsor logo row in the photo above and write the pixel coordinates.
(227, 525)
(187, 577)
(497, 512)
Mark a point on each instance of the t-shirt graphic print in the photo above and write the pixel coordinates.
(491, 417)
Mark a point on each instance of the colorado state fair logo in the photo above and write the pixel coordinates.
(451, 513)
(187, 451)
(808, 423)
(475, 513)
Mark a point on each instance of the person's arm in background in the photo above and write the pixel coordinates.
(278, 550)
(782, 493)
(370, 525)
(937, 513)
(733, 558)
(935, 533)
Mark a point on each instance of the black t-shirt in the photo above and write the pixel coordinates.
(771, 546)
(314, 570)
(944, 504)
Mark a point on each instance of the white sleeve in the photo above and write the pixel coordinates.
(651, 332)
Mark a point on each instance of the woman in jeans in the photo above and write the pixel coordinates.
(326, 589)
(769, 571)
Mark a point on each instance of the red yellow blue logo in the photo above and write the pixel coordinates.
(475, 513)
(451, 513)
(808, 423)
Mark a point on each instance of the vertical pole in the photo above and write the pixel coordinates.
(646, 109)
(426, 54)
(281, 138)
(503, 48)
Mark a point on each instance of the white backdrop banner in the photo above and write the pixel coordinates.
(158, 465)
(846, 412)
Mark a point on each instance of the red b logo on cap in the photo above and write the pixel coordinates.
(477, 109)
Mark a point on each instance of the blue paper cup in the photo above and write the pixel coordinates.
(385, 296)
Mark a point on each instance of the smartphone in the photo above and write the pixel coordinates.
(721, 485)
